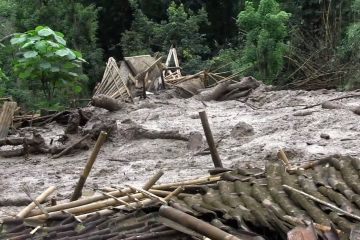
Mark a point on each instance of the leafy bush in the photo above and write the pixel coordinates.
(44, 62)
(265, 35)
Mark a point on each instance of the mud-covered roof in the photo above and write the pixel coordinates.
(250, 203)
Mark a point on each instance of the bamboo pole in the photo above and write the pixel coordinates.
(153, 180)
(156, 189)
(78, 189)
(203, 180)
(91, 207)
(108, 211)
(148, 194)
(176, 192)
(80, 202)
(41, 198)
(210, 140)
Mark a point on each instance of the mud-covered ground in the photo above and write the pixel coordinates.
(277, 119)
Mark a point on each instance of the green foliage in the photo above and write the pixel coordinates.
(181, 29)
(44, 62)
(350, 50)
(266, 31)
(3, 80)
(77, 21)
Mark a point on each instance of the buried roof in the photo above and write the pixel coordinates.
(248, 203)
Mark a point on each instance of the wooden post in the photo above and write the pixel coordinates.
(79, 186)
(210, 140)
(6, 117)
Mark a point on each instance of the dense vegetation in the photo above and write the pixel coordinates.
(298, 44)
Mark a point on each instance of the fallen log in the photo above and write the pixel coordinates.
(69, 148)
(136, 131)
(246, 83)
(108, 103)
(213, 93)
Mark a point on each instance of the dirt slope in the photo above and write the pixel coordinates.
(274, 122)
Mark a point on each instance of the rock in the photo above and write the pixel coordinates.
(332, 105)
(195, 141)
(154, 116)
(356, 110)
(242, 129)
(325, 136)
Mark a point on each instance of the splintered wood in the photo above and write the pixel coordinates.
(6, 117)
(112, 84)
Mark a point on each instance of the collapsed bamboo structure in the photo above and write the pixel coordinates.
(276, 201)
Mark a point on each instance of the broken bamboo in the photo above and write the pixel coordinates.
(78, 189)
(41, 198)
(153, 180)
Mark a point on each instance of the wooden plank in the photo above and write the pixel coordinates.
(6, 118)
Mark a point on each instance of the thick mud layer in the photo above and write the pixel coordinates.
(250, 133)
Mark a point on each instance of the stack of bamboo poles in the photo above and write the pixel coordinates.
(122, 198)
(112, 84)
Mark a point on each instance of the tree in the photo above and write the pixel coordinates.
(46, 63)
(181, 29)
(265, 35)
(79, 23)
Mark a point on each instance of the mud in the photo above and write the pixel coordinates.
(278, 119)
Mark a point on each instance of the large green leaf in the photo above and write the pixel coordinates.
(62, 52)
(66, 52)
(45, 65)
(18, 40)
(28, 44)
(45, 32)
(60, 40)
(51, 43)
(41, 46)
(30, 54)
(55, 69)
(73, 74)
(38, 28)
